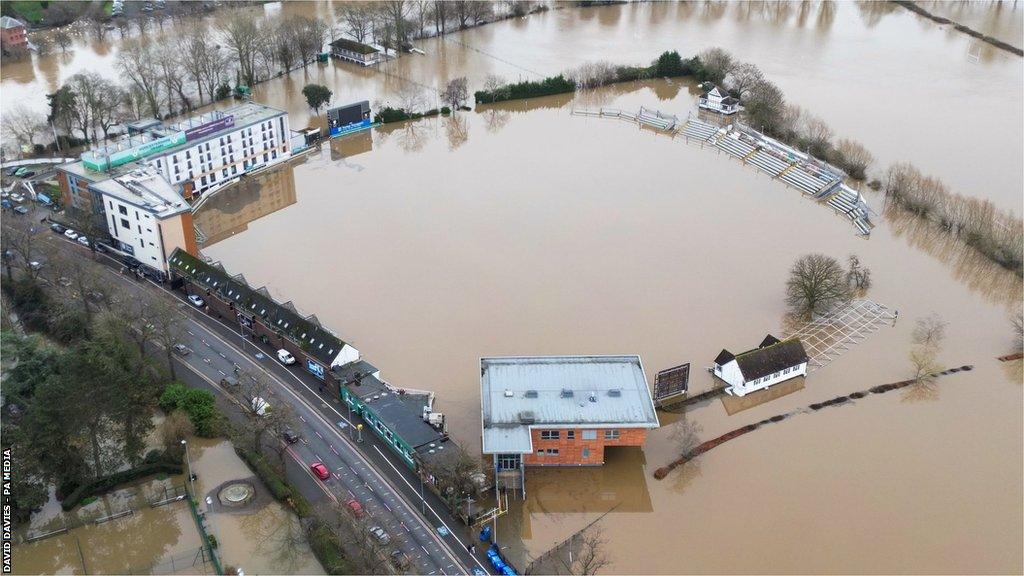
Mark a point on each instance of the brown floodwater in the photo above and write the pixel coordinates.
(904, 86)
(522, 229)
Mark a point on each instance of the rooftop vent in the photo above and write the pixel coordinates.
(509, 393)
(526, 417)
(615, 393)
(566, 393)
(530, 394)
(593, 397)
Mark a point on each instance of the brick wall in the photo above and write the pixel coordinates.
(570, 451)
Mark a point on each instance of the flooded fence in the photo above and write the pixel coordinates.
(827, 337)
(707, 446)
(542, 564)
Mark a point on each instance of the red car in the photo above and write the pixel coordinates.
(354, 507)
(320, 470)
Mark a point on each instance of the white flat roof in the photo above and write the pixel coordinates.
(519, 393)
(146, 189)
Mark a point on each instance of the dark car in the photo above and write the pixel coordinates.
(12, 170)
(21, 210)
(289, 436)
(57, 228)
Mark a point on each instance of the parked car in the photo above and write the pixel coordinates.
(380, 534)
(57, 228)
(285, 357)
(181, 350)
(289, 436)
(260, 406)
(401, 559)
(70, 234)
(13, 170)
(83, 240)
(35, 265)
(196, 301)
(6, 203)
(355, 507)
(17, 197)
(21, 210)
(229, 381)
(320, 470)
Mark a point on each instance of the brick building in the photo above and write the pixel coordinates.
(561, 411)
(12, 35)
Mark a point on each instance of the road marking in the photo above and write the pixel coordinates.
(303, 419)
(333, 449)
(317, 432)
(388, 507)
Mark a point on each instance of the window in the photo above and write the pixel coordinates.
(611, 434)
(590, 434)
(549, 434)
(122, 210)
(586, 452)
(776, 375)
(551, 451)
(570, 434)
(126, 224)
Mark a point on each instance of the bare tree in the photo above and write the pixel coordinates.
(86, 89)
(928, 335)
(167, 325)
(193, 46)
(930, 331)
(816, 136)
(138, 62)
(243, 36)
(853, 157)
(816, 284)
(440, 11)
(308, 35)
(357, 18)
(686, 435)
(63, 39)
(765, 107)
(19, 237)
(24, 124)
(589, 555)
(717, 64)
(173, 74)
(858, 277)
(109, 109)
(742, 78)
(456, 92)
(395, 11)
(175, 428)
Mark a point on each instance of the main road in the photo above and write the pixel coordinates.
(393, 498)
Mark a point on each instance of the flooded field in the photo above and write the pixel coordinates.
(904, 86)
(262, 538)
(522, 230)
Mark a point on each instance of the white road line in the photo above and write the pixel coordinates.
(333, 449)
(303, 419)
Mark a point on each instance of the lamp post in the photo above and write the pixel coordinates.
(188, 464)
(359, 429)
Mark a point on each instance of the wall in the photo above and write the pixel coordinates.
(570, 452)
(142, 232)
(800, 370)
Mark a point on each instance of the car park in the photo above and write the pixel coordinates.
(196, 301)
(285, 357)
(380, 535)
(83, 240)
(320, 470)
(70, 234)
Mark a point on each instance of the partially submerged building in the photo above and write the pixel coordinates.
(362, 54)
(560, 411)
(773, 361)
(718, 100)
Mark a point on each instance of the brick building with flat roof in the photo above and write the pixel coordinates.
(561, 411)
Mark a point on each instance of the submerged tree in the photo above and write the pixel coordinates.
(817, 283)
(927, 337)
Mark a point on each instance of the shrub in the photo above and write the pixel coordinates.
(107, 483)
(546, 87)
(669, 65)
(223, 91)
(198, 404)
(277, 486)
(446, 110)
(328, 550)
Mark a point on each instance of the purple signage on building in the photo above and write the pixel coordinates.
(209, 128)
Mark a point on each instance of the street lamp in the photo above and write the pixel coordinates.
(359, 428)
(188, 463)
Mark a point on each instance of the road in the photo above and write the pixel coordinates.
(417, 521)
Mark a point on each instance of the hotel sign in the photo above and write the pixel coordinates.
(95, 161)
(209, 128)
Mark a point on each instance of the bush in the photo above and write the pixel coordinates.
(108, 483)
(277, 486)
(389, 115)
(198, 404)
(328, 550)
(669, 65)
(446, 110)
(546, 87)
(30, 301)
(223, 91)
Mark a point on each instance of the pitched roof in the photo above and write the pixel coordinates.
(314, 339)
(7, 23)
(773, 358)
(768, 341)
(352, 45)
(724, 357)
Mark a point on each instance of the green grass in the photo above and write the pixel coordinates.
(31, 12)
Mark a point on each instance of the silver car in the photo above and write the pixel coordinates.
(380, 534)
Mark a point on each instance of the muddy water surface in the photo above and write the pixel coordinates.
(906, 87)
(524, 230)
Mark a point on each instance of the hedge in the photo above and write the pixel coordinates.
(327, 550)
(389, 114)
(108, 483)
(546, 87)
(277, 486)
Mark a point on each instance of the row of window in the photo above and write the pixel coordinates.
(571, 434)
(773, 376)
(554, 452)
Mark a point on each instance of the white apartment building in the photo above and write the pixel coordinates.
(220, 146)
(146, 217)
